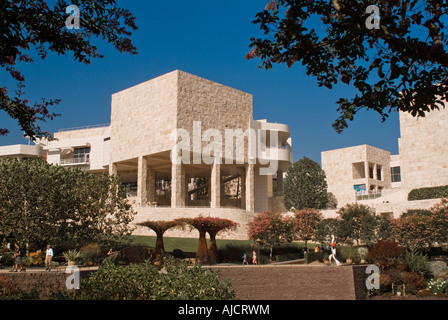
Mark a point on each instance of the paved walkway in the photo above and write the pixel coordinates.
(42, 269)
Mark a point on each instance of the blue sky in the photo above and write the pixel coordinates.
(208, 39)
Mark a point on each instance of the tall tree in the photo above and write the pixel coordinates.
(392, 53)
(46, 203)
(306, 222)
(305, 186)
(34, 26)
(271, 229)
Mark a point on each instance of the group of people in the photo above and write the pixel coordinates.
(18, 264)
(332, 255)
(254, 258)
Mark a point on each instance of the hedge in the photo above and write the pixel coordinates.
(428, 193)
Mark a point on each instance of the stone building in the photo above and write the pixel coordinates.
(374, 177)
(185, 146)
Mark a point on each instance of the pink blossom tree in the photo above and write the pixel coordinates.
(306, 222)
(271, 229)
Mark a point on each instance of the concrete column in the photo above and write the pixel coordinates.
(366, 169)
(142, 180)
(243, 188)
(113, 169)
(178, 188)
(250, 188)
(151, 185)
(279, 181)
(215, 186)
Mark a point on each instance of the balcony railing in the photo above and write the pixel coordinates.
(78, 160)
(369, 195)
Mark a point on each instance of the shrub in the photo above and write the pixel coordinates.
(363, 253)
(134, 254)
(8, 291)
(387, 254)
(71, 255)
(412, 281)
(411, 212)
(91, 253)
(144, 282)
(428, 193)
(348, 252)
(418, 263)
(36, 258)
(438, 268)
(438, 286)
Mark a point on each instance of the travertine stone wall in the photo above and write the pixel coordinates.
(216, 106)
(239, 216)
(342, 176)
(424, 149)
(143, 117)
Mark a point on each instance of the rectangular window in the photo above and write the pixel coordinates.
(371, 173)
(81, 155)
(379, 172)
(395, 173)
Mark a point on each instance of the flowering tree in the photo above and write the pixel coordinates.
(421, 230)
(440, 217)
(160, 227)
(214, 226)
(271, 229)
(200, 224)
(306, 222)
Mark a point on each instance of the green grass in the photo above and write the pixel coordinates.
(191, 244)
(184, 244)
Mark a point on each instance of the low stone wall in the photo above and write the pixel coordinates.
(44, 283)
(264, 282)
(296, 282)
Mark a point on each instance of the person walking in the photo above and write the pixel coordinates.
(48, 258)
(254, 258)
(17, 258)
(245, 259)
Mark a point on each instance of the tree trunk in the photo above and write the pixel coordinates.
(213, 249)
(159, 245)
(202, 253)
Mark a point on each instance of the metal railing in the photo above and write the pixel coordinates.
(84, 159)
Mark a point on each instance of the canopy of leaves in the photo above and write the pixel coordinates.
(306, 222)
(361, 224)
(31, 26)
(144, 282)
(305, 186)
(43, 203)
(421, 230)
(271, 228)
(400, 66)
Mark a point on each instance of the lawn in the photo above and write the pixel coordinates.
(184, 244)
(191, 244)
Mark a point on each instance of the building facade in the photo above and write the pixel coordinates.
(383, 181)
(185, 146)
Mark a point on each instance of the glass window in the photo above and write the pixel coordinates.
(395, 174)
(379, 172)
(81, 155)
